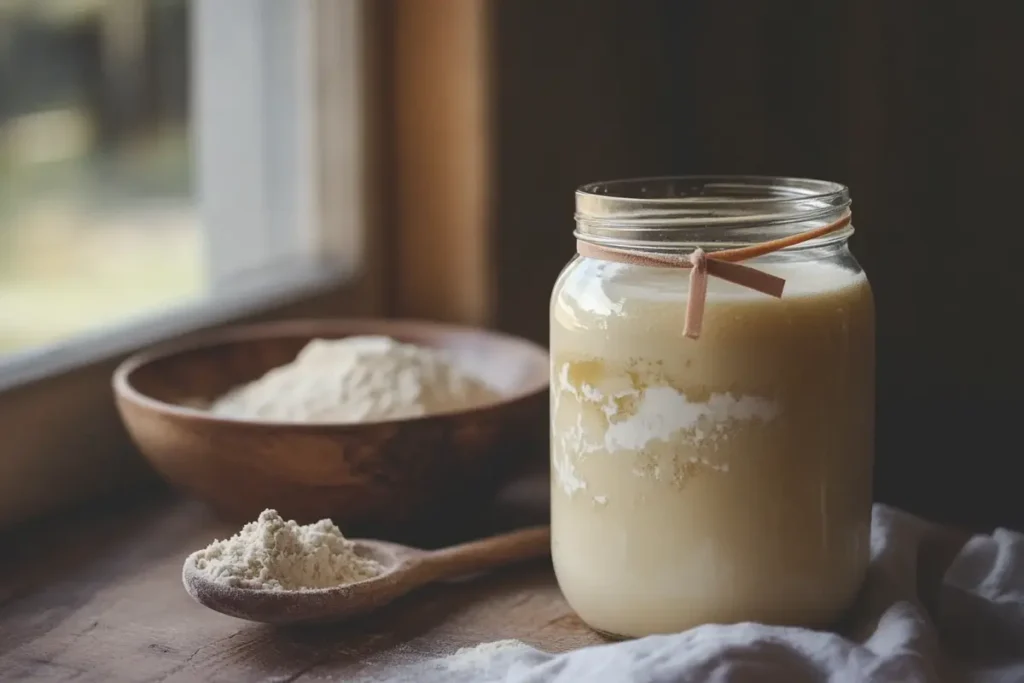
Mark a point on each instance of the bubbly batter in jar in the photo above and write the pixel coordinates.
(721, 479)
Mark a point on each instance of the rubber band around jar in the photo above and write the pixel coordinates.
(724, 265)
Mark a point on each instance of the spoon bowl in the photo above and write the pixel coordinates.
(404, 570)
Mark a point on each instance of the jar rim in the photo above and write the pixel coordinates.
(717, 210)
(707, 191)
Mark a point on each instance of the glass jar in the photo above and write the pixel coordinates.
(725, 478)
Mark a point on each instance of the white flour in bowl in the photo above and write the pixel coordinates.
(357, 379)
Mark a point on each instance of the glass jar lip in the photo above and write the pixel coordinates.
(773, 188)
(712, 211)
(700, 198)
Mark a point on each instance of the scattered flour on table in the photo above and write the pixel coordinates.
(272, 554)
(479, 657)
(357, 379)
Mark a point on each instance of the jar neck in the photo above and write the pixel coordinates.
(678, 214)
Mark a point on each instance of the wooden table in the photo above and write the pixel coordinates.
(100, 599)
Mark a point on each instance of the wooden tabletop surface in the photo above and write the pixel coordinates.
(99, 598)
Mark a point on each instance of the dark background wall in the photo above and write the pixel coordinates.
(916, 105)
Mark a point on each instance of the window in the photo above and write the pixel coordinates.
(154, 155)
(161, 170)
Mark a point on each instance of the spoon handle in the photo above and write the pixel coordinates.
(488, 553)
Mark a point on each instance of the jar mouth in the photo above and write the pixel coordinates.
(712, 210)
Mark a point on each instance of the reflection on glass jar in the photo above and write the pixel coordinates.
(719, 479)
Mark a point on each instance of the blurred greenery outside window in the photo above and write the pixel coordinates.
(98, 221)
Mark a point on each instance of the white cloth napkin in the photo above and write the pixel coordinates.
(972, 633)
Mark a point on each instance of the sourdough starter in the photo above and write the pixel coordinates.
(715, 480)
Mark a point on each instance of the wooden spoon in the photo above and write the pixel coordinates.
(405, 569)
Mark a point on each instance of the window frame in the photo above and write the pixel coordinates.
(254, 111)
(62, 437)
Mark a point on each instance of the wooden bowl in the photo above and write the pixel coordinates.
(367, 477)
